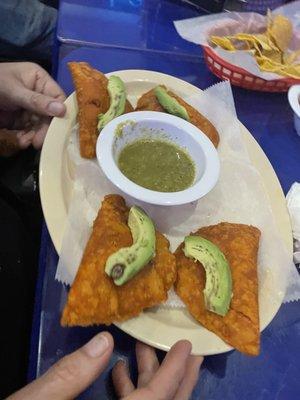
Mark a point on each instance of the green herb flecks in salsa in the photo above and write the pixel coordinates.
(157, 165)
(122, 125)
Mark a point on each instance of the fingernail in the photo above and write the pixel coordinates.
(123, 360)
(55, 108)
(97, 346)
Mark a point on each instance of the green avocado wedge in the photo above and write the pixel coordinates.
(218, 286)
(117, 94)
(125, 263)
(170, 104)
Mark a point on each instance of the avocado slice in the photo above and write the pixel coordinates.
(170, 104)
(117, 94)
(125, 263)
(218, 286)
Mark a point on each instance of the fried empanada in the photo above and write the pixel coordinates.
(93, 297)
(149, 102)
(93, 99)
(240, 326)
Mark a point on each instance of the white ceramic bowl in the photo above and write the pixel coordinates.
(294, 99)
(140, 124)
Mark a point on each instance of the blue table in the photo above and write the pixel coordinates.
(135, 24)
(232, 376)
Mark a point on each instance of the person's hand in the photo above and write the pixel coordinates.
(28, 98)
(72, 374)
(175, 379)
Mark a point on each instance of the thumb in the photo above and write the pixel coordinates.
(72, 374)
(39, 103)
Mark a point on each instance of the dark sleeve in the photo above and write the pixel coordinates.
(26, 25)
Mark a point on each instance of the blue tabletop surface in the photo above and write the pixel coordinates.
(143, 25)
(274, 374)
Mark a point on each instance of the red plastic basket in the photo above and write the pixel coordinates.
(240, 77)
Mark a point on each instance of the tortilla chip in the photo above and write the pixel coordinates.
(93, 297)
(149, 102)
(291, 57)
(222, 42)
(265, 44)
(253, 40)
(269, 47)
(292, 71)
(93, 99)
(281, 31)
(272, 56)
(240, 326)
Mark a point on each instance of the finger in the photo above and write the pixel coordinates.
(38, 103)
(121, 379)
(25, 139)
(172, 369)
(167, 379)
(52, 89)
(46, 85)
(171, 372)
(190, 378)
(147, 363)
(40, 135)
(72, 374)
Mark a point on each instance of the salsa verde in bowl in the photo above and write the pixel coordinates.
(158, 158)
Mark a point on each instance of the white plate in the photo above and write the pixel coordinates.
(160, 328)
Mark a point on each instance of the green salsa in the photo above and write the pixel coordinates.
(157, 165)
